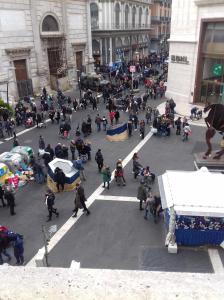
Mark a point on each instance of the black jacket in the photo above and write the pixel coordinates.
(10, 198)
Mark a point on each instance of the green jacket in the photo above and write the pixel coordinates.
(106, 174)
(142, 194)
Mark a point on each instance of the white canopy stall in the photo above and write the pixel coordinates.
(194, 206)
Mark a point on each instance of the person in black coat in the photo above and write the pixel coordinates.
(49, 199)
(50, 151)
(2, 196)
(59, 177)
(10, 198)
(99, 159)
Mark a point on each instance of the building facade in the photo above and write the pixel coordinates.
(160, 20)
(196, 67)
(120, 29)
(43, 43)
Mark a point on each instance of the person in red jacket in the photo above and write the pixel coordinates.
(111, 116)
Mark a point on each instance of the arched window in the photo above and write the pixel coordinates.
(94, 15)
(50, 24)
(117, 15)
(133, 16)
(146, 17)
(140, 17)
(126, 16)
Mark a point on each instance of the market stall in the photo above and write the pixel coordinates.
(25, 151)
(71, 174)
(193, 207)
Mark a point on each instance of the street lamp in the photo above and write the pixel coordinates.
(79, 83)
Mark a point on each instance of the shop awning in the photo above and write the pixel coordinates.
(196, 193)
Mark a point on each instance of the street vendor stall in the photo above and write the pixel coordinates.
(71, 174)
(25, 151)
(194, 207)
(14, 161)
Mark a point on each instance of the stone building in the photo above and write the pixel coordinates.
(43, 43)
(196, 67)
(120, 29)
(160, 20)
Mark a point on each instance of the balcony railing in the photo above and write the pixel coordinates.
(100, 27)
(155, 18)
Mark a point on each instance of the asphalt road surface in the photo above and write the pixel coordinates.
(115, 235)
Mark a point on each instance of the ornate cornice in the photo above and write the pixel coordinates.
(18, 52)
(208, 2)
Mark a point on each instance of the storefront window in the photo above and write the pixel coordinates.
(212, 84)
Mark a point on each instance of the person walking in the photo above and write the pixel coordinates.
(178, 126)
(80, 200)
(72, 149)
(41, 144)
(136, 165)
(119, 173)
(117, 116)
(59, 177)
(142, 129)
(2, 196)
(104, 121)
(141, 195)
(148, 205)
(17, 242)
(130, 125)
(106, 174)
(49, 200)
(98, 122)
(79, 165)
(10, 198)
(99, 159)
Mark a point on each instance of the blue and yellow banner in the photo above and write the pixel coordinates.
(117, 133)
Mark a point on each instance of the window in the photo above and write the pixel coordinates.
(94, 15)
(50, 24)
(126, 16)
(117, 15)
(140, 17)
(146, 17)
(133, 16)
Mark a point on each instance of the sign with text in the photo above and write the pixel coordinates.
(132, 69)
(179, 59)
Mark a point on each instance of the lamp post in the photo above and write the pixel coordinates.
(79, 83)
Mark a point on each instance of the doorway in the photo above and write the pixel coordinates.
(24, 84)
(79, 60)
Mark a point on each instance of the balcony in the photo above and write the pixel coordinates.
(155, 19)
(118, 27)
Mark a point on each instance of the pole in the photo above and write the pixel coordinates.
(45, 245)
(132, 77)
(7, 92)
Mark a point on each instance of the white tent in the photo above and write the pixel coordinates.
(194, 193)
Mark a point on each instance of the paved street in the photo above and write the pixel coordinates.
(115, 235)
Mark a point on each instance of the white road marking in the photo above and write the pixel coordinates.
(1, 142)
(216, 261)
(117, 198)
(95, 195)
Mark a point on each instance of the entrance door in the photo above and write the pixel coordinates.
(24, 84)
(212, 92)
(79, 58)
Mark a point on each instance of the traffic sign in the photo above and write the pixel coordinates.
(132, 69)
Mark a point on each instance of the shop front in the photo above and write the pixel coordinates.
(210, 66)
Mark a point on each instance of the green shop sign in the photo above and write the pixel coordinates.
(217, 70)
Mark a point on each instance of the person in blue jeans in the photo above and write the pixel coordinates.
(17, 242)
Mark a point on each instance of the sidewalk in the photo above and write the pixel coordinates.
(184, 110)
